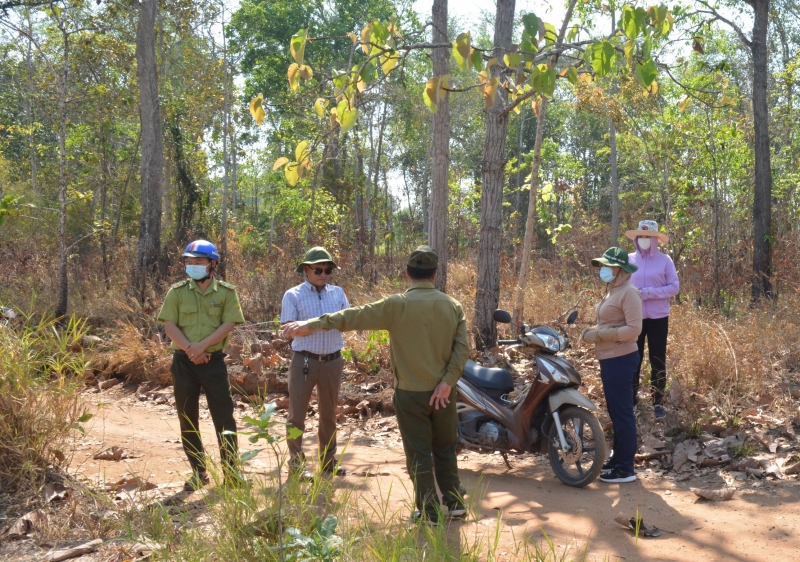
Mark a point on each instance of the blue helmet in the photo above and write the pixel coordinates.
(201, 249)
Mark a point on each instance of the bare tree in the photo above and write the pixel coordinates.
(493, 176)
(152, 160)
(437, 231)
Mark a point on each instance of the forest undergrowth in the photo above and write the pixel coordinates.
(723, 365)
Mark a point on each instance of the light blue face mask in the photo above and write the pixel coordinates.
(606, 274)
(196, 272)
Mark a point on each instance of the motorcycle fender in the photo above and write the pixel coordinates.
(563, 396)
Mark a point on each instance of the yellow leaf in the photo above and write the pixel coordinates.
(280, 162)
(389, 62)
(483, 77)
(292, 173)
(352, 37)
(301, 152)
(293, 74)
(490, 91)
(305, 72)
(492, 61)
(429, 95)
(334, 117)
(257, 109)
(684, 103)
(319, 107)
(444, 83)
(365, 33)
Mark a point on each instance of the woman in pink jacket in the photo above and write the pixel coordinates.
(657, 281)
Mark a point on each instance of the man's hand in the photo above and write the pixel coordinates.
(201, 359)
(295, 329)
(441, 396)
(196, 350)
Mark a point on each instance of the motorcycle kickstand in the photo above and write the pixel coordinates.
(505, 458)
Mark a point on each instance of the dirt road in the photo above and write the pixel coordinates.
(761, 522)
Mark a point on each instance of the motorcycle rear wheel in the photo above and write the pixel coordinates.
(582, 463)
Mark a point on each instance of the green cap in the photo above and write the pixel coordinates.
(615, 257)
(424, 257)
(315, 255)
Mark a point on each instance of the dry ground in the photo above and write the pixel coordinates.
(761, 522)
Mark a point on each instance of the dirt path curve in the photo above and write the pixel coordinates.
(761, 522)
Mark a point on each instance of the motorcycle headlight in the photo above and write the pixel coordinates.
(557, 375)
(550, 342)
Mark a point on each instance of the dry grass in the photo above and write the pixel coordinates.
(134, 357)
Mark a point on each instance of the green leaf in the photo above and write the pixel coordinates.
(319, 106)
(573, 33)
(647, 46)
(545, 80)
(85, 417)
(512, 60)
(389, 62)
(531, 24)
(602, 57)
(328, 527)
(462, 47)
(249, 455)
(347, 116)
(572, 75)
(630, 46)
(550, 33)
(293, 432)
(633, 21)
(477, 60)
(646, 73)
(297, 46)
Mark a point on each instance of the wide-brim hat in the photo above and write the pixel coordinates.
(316, 255)
(647, 228)
(615, 257)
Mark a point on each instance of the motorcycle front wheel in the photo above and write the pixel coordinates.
(583, 460)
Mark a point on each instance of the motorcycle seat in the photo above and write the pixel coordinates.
(484, 377)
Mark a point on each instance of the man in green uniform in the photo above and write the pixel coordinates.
(429, 348)
(199, 314)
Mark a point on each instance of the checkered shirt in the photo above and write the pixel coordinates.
(304, 302)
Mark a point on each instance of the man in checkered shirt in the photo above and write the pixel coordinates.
(317, 359)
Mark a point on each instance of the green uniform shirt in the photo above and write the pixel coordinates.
(198, 314)
(427, 331)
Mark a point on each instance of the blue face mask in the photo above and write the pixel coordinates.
(606, 274)
(196, 272)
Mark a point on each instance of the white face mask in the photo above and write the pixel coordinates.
(644, 242)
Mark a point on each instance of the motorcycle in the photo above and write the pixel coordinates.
(549, 415)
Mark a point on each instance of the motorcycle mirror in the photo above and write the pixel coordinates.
(501, 316)
(572, 317)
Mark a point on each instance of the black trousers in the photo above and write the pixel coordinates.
(655, 330)
(212, 378)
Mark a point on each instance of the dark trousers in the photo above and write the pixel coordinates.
(327, 377)
(655, 330)
(617, 375)
(429, 438)
(212, 377)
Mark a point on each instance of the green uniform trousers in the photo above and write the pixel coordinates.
(429, 438)
(212, 377)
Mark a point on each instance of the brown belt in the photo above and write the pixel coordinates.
(328, 357)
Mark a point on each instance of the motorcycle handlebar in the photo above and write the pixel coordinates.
(507, 342)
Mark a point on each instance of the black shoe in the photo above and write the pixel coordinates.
(425, 519)
(608, 467)
(334, 470)
(196, 481)
(618, 476)
(458, 511)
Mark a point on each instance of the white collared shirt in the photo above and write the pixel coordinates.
(304, 302)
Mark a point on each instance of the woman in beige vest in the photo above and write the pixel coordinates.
(619, 322)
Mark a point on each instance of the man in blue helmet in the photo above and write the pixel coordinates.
(199, 314)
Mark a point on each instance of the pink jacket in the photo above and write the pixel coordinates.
(656, 278)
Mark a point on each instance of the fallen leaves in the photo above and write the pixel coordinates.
(54, 492)
(720, 494)
(112, 454)
(639, 526)
(74, 552)
(25, 524)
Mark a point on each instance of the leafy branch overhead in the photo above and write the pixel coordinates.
(527, 71)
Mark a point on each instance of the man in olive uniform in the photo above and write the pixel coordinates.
(199, 314)
(429, 348)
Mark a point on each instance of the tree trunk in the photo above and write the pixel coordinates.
(612, 157)
(530, 223)
(63, 283)
(152, 161)
(437, 230)
(493, 177)
(29, 109)
(762, 194)
(223, 254)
